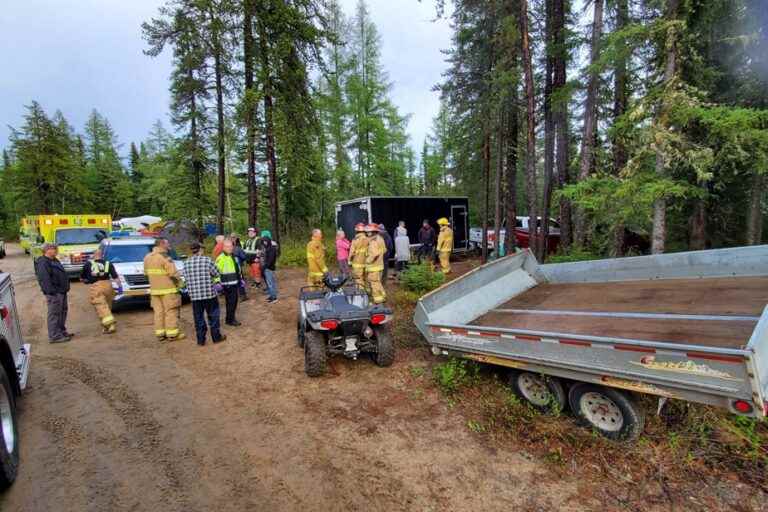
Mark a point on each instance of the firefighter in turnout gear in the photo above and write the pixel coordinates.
(374, 264)
(99, 274)
(316, 268)
(444, 245)
(357, 254)
(164, 282)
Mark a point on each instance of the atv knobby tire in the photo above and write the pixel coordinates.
(315, 353)
(385, 349)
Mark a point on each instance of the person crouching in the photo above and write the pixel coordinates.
(99, 274)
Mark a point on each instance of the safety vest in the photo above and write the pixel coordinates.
(358, 251)
(162, 273)
(99, 269)
(227, 267)
(316, 258)
(374, 261)
(251, 245)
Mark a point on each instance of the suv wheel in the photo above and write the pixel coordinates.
(315, 353)
(9, 433)
(385, 349)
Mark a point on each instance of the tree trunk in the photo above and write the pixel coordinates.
(530, 154)
(497, 185)
(512, 135)
(220, 138)
(561, 119)
(270, 134)
(590, 119)
(698, 226)
(487, 191)
(549, 131)
(659, 233)
(755, 216)
(197, 165)
(620, 95)
(250, 115)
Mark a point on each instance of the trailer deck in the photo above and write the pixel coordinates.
(718, 312)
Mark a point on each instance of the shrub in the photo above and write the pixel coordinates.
(421, 278)
(455, 373)
(575, 254)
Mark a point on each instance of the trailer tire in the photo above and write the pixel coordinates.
(9, 433)
(385, 348)
(315, 354)
(301, 333)
(542, 392)
(609, 411)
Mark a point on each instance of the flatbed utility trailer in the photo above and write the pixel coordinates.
(690, 326)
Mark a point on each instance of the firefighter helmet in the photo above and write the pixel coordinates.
(359, 227)
(442, 221)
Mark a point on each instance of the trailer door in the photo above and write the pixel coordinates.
(349, 214)
(459, 223)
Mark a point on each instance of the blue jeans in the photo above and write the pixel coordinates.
(201, 308)
(271, 281)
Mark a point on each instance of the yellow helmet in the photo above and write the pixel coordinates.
(442, 221)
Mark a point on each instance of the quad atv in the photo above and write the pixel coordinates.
(337, 319)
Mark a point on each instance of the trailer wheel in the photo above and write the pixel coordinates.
(610, 411)
(9, 433)
(385, 349)
(315, 354)
(301, 333)
(543, 392)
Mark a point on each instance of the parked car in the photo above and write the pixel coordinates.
(127, 255)
(522, 235)
(14, 370)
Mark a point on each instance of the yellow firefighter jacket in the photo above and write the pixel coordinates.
(316, 258)
(358, 251)
(374, 260)
(445, 239)
(162, 273)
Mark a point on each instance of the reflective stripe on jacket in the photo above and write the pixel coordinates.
(227, 267)
(316, 258)
(162, 273)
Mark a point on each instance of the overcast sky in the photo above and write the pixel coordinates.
(76, 55)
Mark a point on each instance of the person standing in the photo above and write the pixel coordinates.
(229, 270)
(100, 275)
(268, 249)
(444, 245)
(164, 280)
(54, 282)
(374, 264)
(316, 267)
(357, 253)
(240, 256)
(342, 251)
(219, 246)
(200, 275)
(390, 250)
(253, 260)
(427, 241)
(402, 247)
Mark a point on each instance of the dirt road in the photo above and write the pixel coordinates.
(126, 423)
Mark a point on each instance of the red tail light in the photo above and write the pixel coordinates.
(329, 324)
(378, 318)
(742, 406)
(4, 312)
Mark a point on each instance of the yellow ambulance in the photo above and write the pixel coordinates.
(77, 236)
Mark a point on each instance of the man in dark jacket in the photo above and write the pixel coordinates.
(390, 244)
(427, 241)
(268, 250)
(54, 282)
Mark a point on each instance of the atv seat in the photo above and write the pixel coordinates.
(340, 304)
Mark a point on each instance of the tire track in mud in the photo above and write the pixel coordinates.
(144, 430)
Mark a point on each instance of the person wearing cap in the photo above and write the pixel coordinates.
(164, 281)
(342, 251)
(444, 245)
(202, 277)
(268, 251)
(358, 250)
(427, 241)
(99, 274)
(253, 260)
(316, 267)
(374, 264)
(54, 282)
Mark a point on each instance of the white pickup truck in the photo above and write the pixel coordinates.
(14, 369)
(522, 235)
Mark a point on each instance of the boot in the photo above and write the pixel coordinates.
(110, 329)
